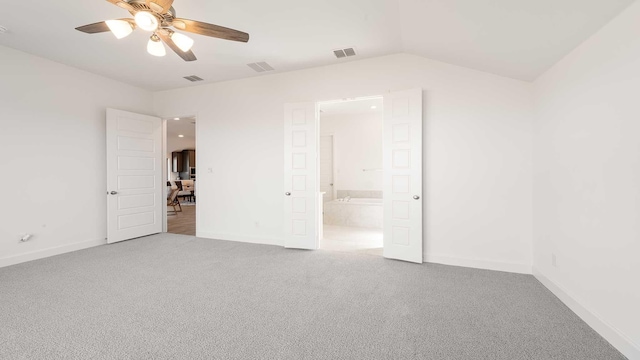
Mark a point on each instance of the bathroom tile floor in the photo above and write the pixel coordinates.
(352, 239)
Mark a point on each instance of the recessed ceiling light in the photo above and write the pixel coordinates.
(176, 119)
(373, 107)
(180, 136)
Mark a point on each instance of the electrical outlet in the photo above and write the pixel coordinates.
(25, 237)
(554, 263)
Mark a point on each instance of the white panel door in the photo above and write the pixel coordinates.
(134, 175)
(403, 175)
(300, 176)
(326, 167)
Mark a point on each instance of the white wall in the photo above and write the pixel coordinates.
(52, 141)
(477, 151)
(587, 180)
(357, 142)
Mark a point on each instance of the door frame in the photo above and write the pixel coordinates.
(165, 168)
(381, 96)
(333, 159)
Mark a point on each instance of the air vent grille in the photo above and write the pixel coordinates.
(193, 78)
(343, 53)
(261, 66)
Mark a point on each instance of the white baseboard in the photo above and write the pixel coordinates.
(478, 263)
(41, 254)
(619, 340)
(241, 238)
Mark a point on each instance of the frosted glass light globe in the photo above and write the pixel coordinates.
(182, 41)
(119, 28)
(146, 21)
(155, 47)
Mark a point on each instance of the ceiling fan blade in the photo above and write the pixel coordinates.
(205, 29)
(94, 28)
(159, 6)
(186, 56)
(123, 4)
(101, 27)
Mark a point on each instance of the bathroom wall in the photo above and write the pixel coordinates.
(357, 145)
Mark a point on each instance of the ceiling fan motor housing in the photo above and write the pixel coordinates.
(141, 5)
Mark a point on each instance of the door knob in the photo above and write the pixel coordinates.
(288, 193)
(114, 193)
(416, 197)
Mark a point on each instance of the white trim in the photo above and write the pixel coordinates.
(241, 238)
(165, 176)
(339, 101)
(478, 263)
(614, 336)
(45, 253)
(334, 168)
(334, 163)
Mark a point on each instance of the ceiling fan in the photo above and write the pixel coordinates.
(158, 17)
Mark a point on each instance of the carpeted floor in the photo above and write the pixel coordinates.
(178, 297)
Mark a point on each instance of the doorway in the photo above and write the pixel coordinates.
(402, 204)
(181, 185)
(351, 175)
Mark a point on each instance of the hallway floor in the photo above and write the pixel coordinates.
(184, 222)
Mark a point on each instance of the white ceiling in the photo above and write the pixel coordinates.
(184, 126)
(514, 38)
(520, 39)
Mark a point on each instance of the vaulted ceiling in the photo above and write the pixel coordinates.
(514, 38)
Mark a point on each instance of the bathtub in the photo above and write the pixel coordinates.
(357, 212)
(363, 201)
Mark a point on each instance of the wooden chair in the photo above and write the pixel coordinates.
(173, 201)
(188, 189)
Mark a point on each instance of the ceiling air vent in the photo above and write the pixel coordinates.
(343, 53)
(260, 66)
(193, 78)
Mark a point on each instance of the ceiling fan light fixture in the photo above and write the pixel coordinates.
(158, 17)
(146, 21)
(155, 47)
(119, 28)
(184, 42)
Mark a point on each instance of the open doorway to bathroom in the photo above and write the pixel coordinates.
(181, 175)
(351, 175)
